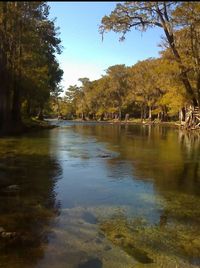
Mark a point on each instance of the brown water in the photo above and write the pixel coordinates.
(100, 195)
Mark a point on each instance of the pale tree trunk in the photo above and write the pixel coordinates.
(150, 113)
(192, 120)
(182, 115)
(82, 116)
(40, 113)
(58, 106)
(126, 118)
(120, 114)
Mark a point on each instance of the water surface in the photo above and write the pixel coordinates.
(100, 195)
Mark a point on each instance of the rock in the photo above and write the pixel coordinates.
(91, 263)
(106, 248)
(89, 217)
(12, 189)
(1, 229)
(119, 236)
(98, 241)
(8, 234)
(101, 235)
(104, 155)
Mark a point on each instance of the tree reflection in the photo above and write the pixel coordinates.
(170, 160)
(168, 157)
(27, 200)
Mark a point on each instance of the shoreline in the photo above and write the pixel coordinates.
(34, 125)
(123, 122)
(174, 124)
(28, 126)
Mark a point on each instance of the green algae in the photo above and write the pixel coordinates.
(146, 243)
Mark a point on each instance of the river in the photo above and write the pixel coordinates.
(92, 195)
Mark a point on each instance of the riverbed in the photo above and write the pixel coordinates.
(100, 195)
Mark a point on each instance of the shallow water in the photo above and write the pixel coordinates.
(100, 195)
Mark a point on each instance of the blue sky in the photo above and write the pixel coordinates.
(84, 54)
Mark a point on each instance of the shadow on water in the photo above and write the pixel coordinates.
(28, 203)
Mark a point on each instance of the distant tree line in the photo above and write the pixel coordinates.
(150, 89)
(29, 71)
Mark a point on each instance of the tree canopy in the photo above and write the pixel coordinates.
(172, 17)
(29, 71)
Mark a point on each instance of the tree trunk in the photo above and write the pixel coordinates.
(40, 114)
(183, 72)
(16, 106)
(5, 98)
(126, 118)
(145, 113)
(82, 116)
(182, 115)
(120, 114)
(16, 101)
(28, 108)
(5, 114)
(150, 113)
(141, 113)
(192, 120)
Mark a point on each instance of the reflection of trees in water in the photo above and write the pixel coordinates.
(171, 160)
(190, 140)
(169, 157)
(156, 152)
(27, 206)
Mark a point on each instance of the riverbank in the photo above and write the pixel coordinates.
(28, 125)
(175, 124)
(129, 122)
(35, 125)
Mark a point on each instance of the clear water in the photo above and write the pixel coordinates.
(100, 195)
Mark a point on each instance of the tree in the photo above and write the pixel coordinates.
(144, 87)
(143, 15)
(72, 96)
(28, 67)
(117, 86)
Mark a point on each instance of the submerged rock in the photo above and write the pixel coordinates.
(89, 217)
(2, 230)
(106, 248)
(104, 155)
(139, 254)
(91, 263)
(12, 188)
(8, 234)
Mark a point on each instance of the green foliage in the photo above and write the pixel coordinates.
(30, 71)
(148, 89)
(180, 24)
(152, 89)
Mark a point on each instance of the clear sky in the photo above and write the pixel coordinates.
(84, 54)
